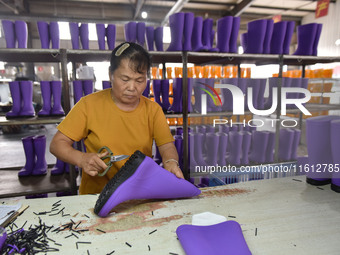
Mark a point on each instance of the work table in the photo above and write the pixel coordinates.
(277, 216)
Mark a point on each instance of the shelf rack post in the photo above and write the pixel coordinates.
(66, 89)
(186, 171)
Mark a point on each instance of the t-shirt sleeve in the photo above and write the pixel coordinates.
(74, 126)
(162, 133)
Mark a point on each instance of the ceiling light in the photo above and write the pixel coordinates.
(337, 42)
(144, 15)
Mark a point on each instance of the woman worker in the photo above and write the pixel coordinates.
(119, 118)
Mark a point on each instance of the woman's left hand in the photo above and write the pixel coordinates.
(172, 167)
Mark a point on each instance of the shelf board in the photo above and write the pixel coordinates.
(308, 60)
(29, 55)
(30, 121)
(316, 108)
(13, 186)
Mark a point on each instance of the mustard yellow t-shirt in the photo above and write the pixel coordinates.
(97, 120)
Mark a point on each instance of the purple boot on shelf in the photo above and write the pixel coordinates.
(176, 23)
(305, 39)
(286, 144)
(58, 168)
(225, 26)
(235, 142)
(21, 33)
(54, 35)
(192, 161)
(206, 32)
(87, 87)
(222, 148)
(176, 106)
(44, 34)
(212, 149)
(268, 36)
(26, 89)
(40, 167)
(187, 30)
(335, 146)
(156, 86)
(199, 140)
(101, 32)
(296, 142)
(9, 31)
(45, 88)
(84, 36)
(278, 37)
(74, 32)
(29, 155)
(77, 90)
(259, 146)
(111, 36)
(316, 40)
(130, 31)
(288, 36)
(159, 38)
(270, 148)
(165, 95)
(106, 84)
(246, 142)
(196, 38)
(179, 147)
(57, 109)
(150, 37)
(142, 178)
(234, 35)
(14, 87)
(140, 33)
(256, 34)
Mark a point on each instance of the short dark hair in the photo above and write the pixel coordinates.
(139, 58)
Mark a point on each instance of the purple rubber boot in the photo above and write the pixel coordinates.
(222, 148)
(74, 31)
(101, 33)
(57, 109)
(288, 36)
(58, 168)
(259, 146)
(278, 37)
(26, 89)
(234, 35)
(159, 38)
(187, 30)
(84, 36)
(202, 240)
(87, 87)
(29, 155)
(54, 35)
(141, 33)
(242, 83)
(196, 38)
(295, 83)
(77, 90)
(246, 142)
(268, 36)
(14, 87)
(130, 30)
(176, 23)
(165, 95)
(206, 35)
(150, 37)
(21, 33)
(106, 84)
(269, 102)
(40, 167)
(189, 85)
(318, 130)
(235, 142)
(146, 91)
(226, 94)
(9, 31)
(179, 147)
(270, 148)
(212, 148)
(286, 144)
(254, 95)
(260, 97)
(111, 36)
(224, 30)
(199, 140)
(305, 39)
(256, 34)
(156, 86)
(44, 34)
(244, 42)
(176, 106)
(335, 145)
(316, 41)
(46, 93)
(296, 142)
(142, 178)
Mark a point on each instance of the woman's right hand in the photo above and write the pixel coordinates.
(92, 163)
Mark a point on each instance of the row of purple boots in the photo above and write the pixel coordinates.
(15, 33)
(22, 96)
(266, 37)
(36, 165)
(81, 88)
(198, 87)
(322, 166)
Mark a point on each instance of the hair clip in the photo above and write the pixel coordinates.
(121, 49)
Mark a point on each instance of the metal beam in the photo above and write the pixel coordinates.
(241, 7)
(139, 6)
(176, 8)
